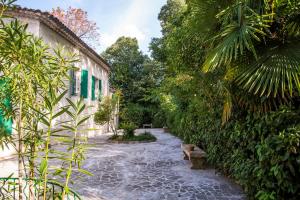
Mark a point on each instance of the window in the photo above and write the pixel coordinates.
(93, 88)
(84, 84)
(5, 124)
(100, 89)
(72, 82)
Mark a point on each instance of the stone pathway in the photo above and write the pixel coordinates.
(149, 171)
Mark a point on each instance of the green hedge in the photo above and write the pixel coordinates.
(261, 152)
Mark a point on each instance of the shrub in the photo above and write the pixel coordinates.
(144, 137)
(133, 113)
(106, 113)
(129, 128)
(261, 152)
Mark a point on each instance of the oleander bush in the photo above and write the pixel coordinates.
(33, 79)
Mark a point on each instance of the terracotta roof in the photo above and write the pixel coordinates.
(56, 25)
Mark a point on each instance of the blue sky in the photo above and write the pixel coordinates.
(115, 18)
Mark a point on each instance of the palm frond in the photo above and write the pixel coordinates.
(293, 26)
(275, 72)
(242, 27)
(258, 104)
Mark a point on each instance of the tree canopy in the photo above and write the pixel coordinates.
(77, 21)
(135, 74)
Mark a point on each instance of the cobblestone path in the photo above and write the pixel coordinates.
(149, 171)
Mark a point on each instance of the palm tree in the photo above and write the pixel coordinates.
(258, 44)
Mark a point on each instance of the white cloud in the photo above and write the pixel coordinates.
(130, 30)
(133, 23)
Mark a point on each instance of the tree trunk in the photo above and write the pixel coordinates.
(31, 173)
(20, 154)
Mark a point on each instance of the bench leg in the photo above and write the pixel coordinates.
(198, 163)
(185, 157)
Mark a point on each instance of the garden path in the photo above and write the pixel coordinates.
(149, 171)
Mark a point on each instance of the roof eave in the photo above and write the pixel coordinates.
(57, 26)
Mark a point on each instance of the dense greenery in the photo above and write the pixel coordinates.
(135, 75)
(231, 85)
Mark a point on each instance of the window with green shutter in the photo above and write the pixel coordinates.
(5, 124)
(72, 83)
(100, 89)
(84, 84)
(93, 88)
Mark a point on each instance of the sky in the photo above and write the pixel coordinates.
(115, 18)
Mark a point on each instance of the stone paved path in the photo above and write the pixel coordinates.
(149, 171)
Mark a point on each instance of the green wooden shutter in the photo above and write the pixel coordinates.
(93, 88)
(6, 124)
(84, 84)
(100, 88)
(73, 82)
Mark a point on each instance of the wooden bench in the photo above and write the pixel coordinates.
(147, 125)
(196, 155)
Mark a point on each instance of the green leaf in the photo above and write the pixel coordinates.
(83, 120)
(43, 166)
(70, 128)
(277, 67)
(45, 121)
(60, 113)
(60, 97)
(85, 172)
(72, 104)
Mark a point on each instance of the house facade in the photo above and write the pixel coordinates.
(89, 81)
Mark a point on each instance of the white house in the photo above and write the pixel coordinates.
(91, 79)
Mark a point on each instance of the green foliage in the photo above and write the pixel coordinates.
(144, 137)
(262, 153)
(136, 75)
(107, 111)
(253, 44)
(34, 76)
(133, 113)
(74, 156)
(129, 128)
(127, 64)
(227, 65)
(5, 138)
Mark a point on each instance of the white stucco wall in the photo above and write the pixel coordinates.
(53, 39)
(86, 63)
